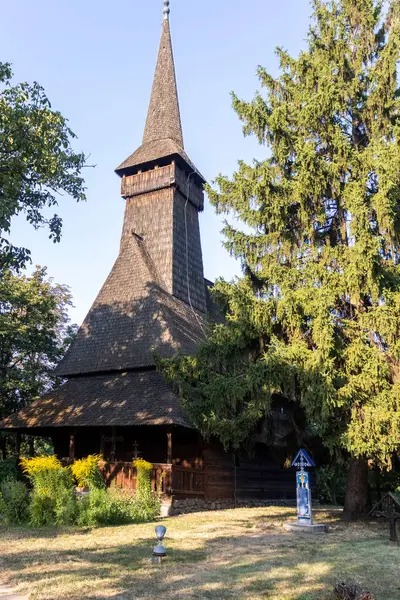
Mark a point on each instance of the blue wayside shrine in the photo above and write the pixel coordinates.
(303, 461)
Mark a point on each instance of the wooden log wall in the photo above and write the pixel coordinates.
(229, 477)
(220, 478)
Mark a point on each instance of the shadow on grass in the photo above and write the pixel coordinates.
(241, 566)
(25, 532)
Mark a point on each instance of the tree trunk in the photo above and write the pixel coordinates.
(378, 488)
(357, 492)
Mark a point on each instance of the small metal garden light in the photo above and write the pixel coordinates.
(159, 551)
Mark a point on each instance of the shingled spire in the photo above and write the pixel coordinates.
(163, 137)
(163, 118)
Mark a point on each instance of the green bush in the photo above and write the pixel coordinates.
(147, 510)
(8, 469)
(102, 507)
(66, 508)
(147, 504)
(41, 511)
(15, 501)
(114, 507)
(52, 501)
(57, 506)
(47, 511)
(3, 509)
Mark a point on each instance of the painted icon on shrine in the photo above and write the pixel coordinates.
(303, 496)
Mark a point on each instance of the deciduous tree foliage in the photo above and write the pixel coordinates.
(316, 315)
(34, 334)
(37, 163)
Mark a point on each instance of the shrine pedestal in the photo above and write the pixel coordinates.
(306, 527)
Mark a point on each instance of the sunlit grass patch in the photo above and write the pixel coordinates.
(244, 554)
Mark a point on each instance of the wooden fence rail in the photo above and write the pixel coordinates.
(166, 479)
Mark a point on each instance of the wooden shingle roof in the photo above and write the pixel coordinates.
(121, 399)
(132, 316)
(154, 152)
(163, 117)
(130, 398)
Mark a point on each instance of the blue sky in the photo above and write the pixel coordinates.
(96, 61)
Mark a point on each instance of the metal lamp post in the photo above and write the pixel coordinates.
(159, 552)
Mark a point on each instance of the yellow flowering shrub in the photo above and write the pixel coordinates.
(146, 501)
(32, 466)
(53, 500)
(142, 464)
(86, 471)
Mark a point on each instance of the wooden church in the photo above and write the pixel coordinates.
(114, 401)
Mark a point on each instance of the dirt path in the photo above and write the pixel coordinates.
(8, 593)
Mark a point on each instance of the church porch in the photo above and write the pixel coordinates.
(165, 444)
(186, 468)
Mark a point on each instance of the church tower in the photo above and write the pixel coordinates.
(164, 190)
(153, 301)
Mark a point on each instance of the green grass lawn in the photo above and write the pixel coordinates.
(242, 553)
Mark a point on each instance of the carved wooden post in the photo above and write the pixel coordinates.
(72, 446)
(18, 444)
(169, 447)
(113, 443)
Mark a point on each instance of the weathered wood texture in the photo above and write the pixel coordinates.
(198, 468)
(158, 212)
(188, 481)
(210, 484)
(162, 177)
(389, 508)
(165, 478)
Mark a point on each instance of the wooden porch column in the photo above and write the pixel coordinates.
(31, 445)
(113, 443)
(72, 446)
(3, 446)
(18, 444)
(169, 447)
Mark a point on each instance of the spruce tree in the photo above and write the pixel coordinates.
(316, 315)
